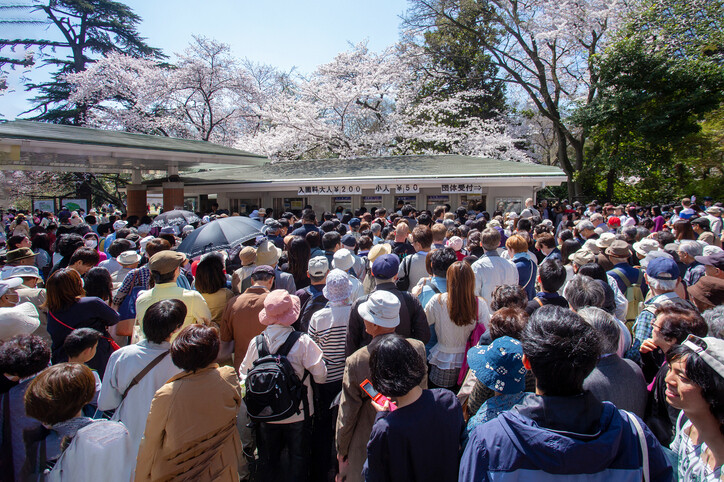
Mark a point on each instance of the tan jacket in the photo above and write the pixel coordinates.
(356, 414)
(191, 429)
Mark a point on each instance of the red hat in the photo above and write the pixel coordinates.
(614, 221)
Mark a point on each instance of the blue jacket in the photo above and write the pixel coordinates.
(561, 438)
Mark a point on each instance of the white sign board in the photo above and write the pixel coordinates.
(461, 188)
(329, 190)
(399, 188)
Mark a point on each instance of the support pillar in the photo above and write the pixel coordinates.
(173, 195)
(136, 200)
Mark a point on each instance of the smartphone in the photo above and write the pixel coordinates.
(376, 396)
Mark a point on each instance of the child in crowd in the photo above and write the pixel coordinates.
(80, 346)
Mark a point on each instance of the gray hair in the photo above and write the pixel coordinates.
(376, 227)
(582, 291)
(641, 233)
(692, 248)
(630, 232)
(583, 225)
(715, 319)
(662, 285)
(607, 328)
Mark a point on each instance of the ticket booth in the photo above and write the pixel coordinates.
(435, 201)
(372, 202)
(345, 202)
(288, 204)
(411, 200)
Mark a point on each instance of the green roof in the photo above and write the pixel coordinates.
(371, 168)
(43, 131)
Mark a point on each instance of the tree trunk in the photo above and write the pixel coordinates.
(610, 182)
(565, 163)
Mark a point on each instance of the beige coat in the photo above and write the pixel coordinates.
(191, 429)
(356, 414)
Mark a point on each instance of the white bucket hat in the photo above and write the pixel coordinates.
(381, 308)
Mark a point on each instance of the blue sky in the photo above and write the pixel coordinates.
(283, 33)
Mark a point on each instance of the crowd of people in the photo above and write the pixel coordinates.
(564, 341)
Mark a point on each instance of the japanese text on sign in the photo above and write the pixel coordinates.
(328, 190)
(461, 188)
(399, 188)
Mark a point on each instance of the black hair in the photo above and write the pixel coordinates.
(88, 256)
(98, 283)
(195, 347)
(395, 366)
(710, 382)
(79, 340)
(562, 349)
(569, 247)
(118, 246)
(68, 243)
(406, 210)
(441, 259)
(330, 240)
(24, 355)
(14, 241)
(565, 235)
(525, 225)
(552, 275)
(593, 270)
(509, 296)
(163, 318)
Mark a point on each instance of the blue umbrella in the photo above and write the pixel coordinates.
(220, 234)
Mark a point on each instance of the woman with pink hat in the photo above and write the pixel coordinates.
(281, 310)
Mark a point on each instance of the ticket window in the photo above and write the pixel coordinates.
(289, 204)
(243, 206)
(345, 202)
(435, 201)
(403, 200)
(469, 201)
(509, 204)
(372, 202)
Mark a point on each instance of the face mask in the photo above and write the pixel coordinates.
(91, 243)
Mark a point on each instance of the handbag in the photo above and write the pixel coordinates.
(111, 341)
(472, 341)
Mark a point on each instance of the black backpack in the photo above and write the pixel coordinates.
(273, 389)
(313, 305)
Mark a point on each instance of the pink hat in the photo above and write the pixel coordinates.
(455, 243)
(280, 308)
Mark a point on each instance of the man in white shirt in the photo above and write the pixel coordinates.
(132, 401)
(491, 270)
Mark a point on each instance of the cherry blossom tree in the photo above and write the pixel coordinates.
(207, 95)
(544, 50)
(365, 103)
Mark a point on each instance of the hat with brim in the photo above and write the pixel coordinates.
(499, 366)
(379, 250)
(24, 272)
(716, 260)
(247, 255)
(709, 349)
(8, 284)
(22, 319)
(267, 253)
(382, 308)
(713, 210)
(128, 257)
(708, 292)
(280, 308)
(591, 246)
(645, 246)
(618, 249)
(605, 240)
(583, 257)
(338, 286)
(18, 254)
(343, 259)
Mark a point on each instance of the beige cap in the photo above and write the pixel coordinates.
(166, 261)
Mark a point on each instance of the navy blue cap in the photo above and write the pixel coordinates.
(386, 266)
(355, 222)
(663, 268)
(349, 240)
(499, 365)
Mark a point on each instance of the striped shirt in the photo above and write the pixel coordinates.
(328, 329)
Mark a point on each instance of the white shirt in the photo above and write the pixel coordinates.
(358, 290)
(715, 223)
(305, 354)
(492, 271)
(101, 450)
(123, 366)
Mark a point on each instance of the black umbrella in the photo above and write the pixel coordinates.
(222, 233)
(177, 217)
